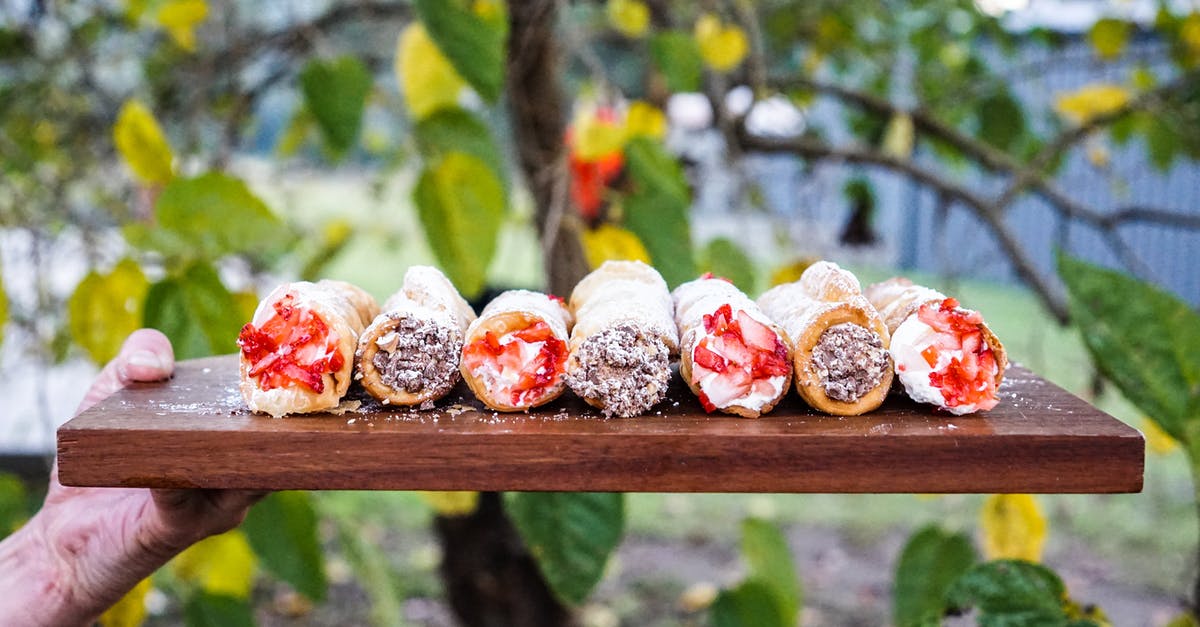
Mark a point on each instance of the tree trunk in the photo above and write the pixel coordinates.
(538, 113)
(490, 578)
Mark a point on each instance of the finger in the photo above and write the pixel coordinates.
(149, 357)
(146, 355)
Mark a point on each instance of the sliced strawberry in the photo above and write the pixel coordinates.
(755, 333)
(770, 364)
(706, 404)
(728, 387)
(293, 346)
(735, 351)
(717, 322)
(763, 387)
(536, 332)
(708, 359)
(931, 355)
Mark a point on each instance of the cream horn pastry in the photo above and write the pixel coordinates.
(409, 354)
(297, 352)
(840, 343)
(731, 355)
(944, 354)
(514, 353)
(624, 337)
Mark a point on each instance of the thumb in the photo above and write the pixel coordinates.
(146, 355)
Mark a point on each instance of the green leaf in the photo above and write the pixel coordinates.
(216, 214)
(677, 56)
(14, 504)
(1144, 340)
(475, 45)
(458, 130)
(335, 91)
(752, 603)
(196, 312)
(1001, 119)
(373, 572)
(1010, 593)
(929, 564)
(205, 609)
(770, 560)
(724, 258)
(1109, 37)
(106, 308)
(657, 210)
(570, 535)
(461, 206)
(1162, 144)
(282, 529)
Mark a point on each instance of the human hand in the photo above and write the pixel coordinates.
(88, 546)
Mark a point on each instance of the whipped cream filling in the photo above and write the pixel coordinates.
(910, 339)
(762, 390)
(754, 400)
(496, 376)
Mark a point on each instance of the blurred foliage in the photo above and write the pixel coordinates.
(1013, 527)
(770, 595)
(932, 559)
(118, 120)
(570, 535)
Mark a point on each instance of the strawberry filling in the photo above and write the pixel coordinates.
(294, 346)
(739, 357)
(971, 378)
(520, 365)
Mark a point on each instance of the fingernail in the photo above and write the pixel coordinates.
(146, 359)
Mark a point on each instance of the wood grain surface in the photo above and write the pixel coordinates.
(194, 431)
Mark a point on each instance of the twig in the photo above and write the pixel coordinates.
(806, 147)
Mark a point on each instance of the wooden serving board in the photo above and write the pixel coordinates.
(194, 431)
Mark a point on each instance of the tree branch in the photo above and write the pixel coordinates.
(1050, 295)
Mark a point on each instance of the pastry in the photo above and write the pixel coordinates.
(840, 342)
(731, 355)
(409, 354)
(514, 353)
(297, 352)
(624, 336)
(944, 354)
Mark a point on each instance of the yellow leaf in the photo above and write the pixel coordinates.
(723, 47)
(1189, 34)
(612, 243)
(452, 503)
(645, 120)
(180, 18)
(141, 142)
(105, 308)
(630, 17)
(221, 564)
(790, 273)
(898, 137)
(427, 79)
(595, 134)
(1090, 101)
(1157, 440)
(130, 611)
(1013, 527)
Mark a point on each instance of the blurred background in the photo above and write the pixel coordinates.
(166, 161)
